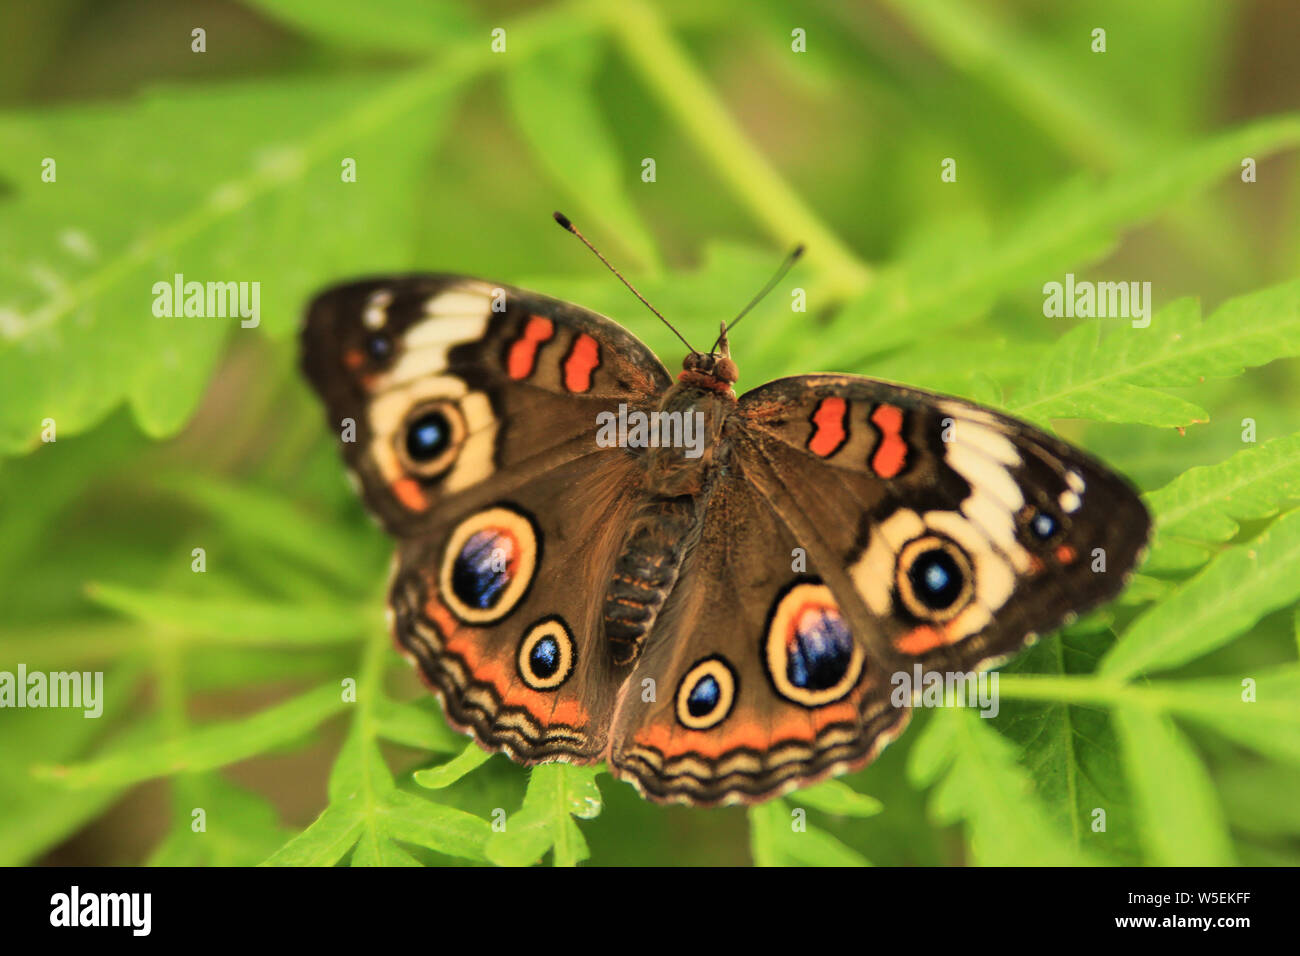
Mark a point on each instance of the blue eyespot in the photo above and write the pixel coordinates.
(544, 658)
(484, 567)
(546, 654)
(1043, 525)
(379, 347)
(704, 696)
(936, 579)
(428, 437)
(820, 649)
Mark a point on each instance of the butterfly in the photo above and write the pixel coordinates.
(599, 561)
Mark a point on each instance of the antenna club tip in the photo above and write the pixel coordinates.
(563, 220)
(798, 251)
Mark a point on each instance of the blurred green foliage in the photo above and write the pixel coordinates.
(263, 691)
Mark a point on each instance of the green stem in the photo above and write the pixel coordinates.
(684, 92)
(1069, 690)
(365, 730)
(1107, 692)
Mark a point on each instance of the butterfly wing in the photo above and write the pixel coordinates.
(861, 528)
(719, 709)
(467, 413)
(951, 533)
(507, 385)
(513, 645)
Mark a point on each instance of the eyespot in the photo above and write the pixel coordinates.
(546, 654)
(379, 346)
(808, 651)
(428, 436)
(488, 563)
(430, 440)
(1042, 525)
(706, 694)
(934, 578)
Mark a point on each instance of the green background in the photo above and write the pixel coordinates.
(224, 689)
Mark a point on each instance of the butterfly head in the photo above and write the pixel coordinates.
(713, 370)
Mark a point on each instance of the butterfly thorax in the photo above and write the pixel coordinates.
(677, 480)
(692, 419)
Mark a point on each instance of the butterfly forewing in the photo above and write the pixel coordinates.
(436, 384)
(962, 533)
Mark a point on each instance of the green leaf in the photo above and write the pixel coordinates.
(1233, 591)
(242, 622)
(469, 759)
(976, 371)
(556, 794)
(1249, 793)
(1144, 589)
(245, 186)
(780, 835)
(1077, 223)
(416, 724)
(270, 519)
(1070, 749)
(1026, 71)
(1181, 822)
(1113, 377)
(416, 26)
(977, 781)
(239, 827)
(434, 826)
(37, 814)
(382, 853)
(1258, 710)
(552, 102)
(368, 812)
(325, 842)
(208, 747)
(1204, 506)
(837, 797)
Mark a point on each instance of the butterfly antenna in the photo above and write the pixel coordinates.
(790, 260)
(564, 221)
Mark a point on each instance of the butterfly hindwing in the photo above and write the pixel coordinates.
(753, 682)
(518, 660)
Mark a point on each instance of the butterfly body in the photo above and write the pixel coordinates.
(716, 603)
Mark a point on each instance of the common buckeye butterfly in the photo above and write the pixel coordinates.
(646, 604)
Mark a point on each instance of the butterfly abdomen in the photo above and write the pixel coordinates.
(645, 572)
